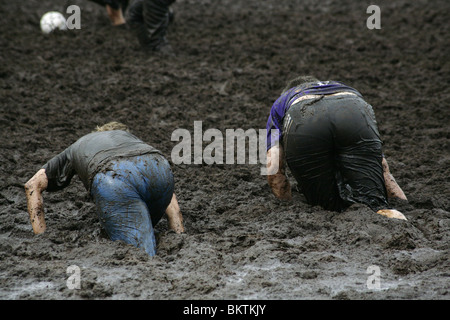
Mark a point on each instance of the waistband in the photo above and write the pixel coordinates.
(316, 96)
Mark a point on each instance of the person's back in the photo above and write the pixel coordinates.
(90, 154)
(292, 95)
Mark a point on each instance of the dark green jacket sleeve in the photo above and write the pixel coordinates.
(59, 171)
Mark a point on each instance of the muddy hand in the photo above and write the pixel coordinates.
(392, 213)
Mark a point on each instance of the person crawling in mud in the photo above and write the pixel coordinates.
(329, 139)
(148, 19)
(130, 182)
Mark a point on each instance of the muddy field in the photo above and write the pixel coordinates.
(232, 60)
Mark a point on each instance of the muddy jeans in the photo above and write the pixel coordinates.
(334, 151)
(132, 196)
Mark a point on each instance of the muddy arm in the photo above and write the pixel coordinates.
(276, 177)
(393, 189)
(33, 189)
(174, 216)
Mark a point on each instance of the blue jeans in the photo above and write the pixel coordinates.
(131, 196)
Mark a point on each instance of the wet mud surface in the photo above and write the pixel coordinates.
(232, 60)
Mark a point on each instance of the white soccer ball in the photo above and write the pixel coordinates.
(53, 20)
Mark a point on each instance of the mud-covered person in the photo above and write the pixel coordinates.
(327, 135)
(130, 182)
(148, 19)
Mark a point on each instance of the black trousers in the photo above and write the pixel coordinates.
(334, 151)
(150, 19)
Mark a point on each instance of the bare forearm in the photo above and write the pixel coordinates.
(35, 202)
(393, 189)
(174, 216)
(277, 179)
(36, 210)
(280, 186)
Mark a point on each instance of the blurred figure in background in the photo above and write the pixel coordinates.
(115, 10)
(148, 19)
